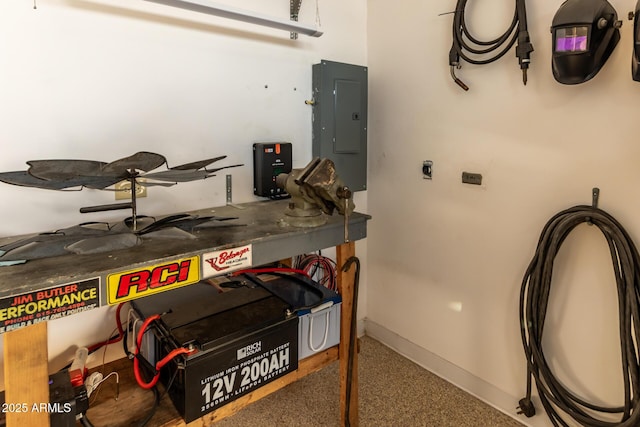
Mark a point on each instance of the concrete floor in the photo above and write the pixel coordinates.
(393, 392)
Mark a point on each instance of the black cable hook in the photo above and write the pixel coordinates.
(595, 196)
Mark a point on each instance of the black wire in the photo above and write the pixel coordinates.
(324, 266)
(467, 45)
(534, 300)
(157, 397)
(461, 34)
(125, 346)
(85, 421)
(152, 411)
(170, 383)
(481, 52)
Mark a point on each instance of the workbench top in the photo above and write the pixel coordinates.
(258, 224)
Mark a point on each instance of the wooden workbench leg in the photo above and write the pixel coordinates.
(26, 377)
(345, 288)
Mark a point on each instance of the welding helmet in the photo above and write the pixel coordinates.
(635, 57)
(584, 34)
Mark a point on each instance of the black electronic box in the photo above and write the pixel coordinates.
(244, 336)
(269, 161)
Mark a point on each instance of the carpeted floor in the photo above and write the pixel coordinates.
(393, 392)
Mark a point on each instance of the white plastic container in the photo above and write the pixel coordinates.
(319, 329)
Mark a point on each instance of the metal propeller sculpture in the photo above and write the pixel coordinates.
(94, 237)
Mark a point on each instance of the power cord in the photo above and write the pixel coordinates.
(157, 398)
(85, 421)
(480, 52)
(152, 411)
(534, 300)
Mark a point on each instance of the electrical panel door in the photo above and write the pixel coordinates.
(340, 119)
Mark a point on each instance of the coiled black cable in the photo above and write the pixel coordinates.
(534, 300)
(481, 52)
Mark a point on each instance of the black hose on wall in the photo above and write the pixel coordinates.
(481, 52)
(534, 300)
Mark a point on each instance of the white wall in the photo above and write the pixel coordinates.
(446, 260)
(103, 79)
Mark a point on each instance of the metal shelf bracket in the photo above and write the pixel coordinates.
(294, 10)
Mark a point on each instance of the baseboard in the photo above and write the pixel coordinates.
(468, 382)
(361, 327)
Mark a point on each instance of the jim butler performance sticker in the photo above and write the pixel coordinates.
(26, 309)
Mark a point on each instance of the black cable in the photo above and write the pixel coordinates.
(147, 375)
(157, 397)
(152, 411)
(352, 334)
(146, 372)
(480, 52)
(170, 383)
(558, 400)
(85, 421)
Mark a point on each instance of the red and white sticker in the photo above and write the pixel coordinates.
(226, 261)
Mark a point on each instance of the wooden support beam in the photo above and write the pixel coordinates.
(346, 281)
(26, 376)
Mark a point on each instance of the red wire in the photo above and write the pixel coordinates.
(272, 270)
(321, 265)
(179, 351)
(96, 346)
(160, 364)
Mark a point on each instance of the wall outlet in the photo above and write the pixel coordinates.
(471, 178)
(427, 169)
(123, 189)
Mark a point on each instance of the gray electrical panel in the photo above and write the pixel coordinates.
(340, 119)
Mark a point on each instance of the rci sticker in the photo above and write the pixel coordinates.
(152, 280)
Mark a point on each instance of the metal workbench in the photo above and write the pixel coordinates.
(258, 224)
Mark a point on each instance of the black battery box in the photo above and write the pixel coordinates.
(244, 336)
